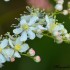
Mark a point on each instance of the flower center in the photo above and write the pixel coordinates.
(25, 27)
(17, 47)
(0, 49)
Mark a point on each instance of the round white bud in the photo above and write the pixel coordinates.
(65, 12)
(31, 52)
(37, 59)
(59, 7)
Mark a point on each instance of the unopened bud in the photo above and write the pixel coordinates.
(31, 52)
(65, 12)
(59, 7)
(37, 59)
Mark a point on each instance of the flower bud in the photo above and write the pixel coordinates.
(37, 59)
(65, 12)
(12, 59)
(31, 52)
(59, 7)
(59, 39)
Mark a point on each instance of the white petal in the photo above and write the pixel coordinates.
(8, 53)
(39, 35)
(41, 27)
(26, 17)
(17, 31)
(32, 28)
(11, 43)
(24, 48)
(22, 21)
(51, 20)
(31, 34)
(23, 36)
(4, 43)
(2, 59)
(18, 41)
(33, 20)
(47, 19)
(16, 54)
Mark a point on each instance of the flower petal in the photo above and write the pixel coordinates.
(16, 54)
(23, 36)
(4, 43)
(8, 53)
(41, 27)
(2, 59)
(32, 28)
(47, 19)
(24, 48)
(17, 31)
(33, 20)
(26, 17)
(22, 21)
(31, 34)
(11, 43)
(18, 41)
(39, 35)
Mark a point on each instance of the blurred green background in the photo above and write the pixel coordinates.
(53, 55)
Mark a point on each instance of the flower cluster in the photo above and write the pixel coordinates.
(38, 24)
(11, 47)
(35, 24)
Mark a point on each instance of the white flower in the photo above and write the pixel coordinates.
(3, 45)
(59, 7)
(54, 28)
(26, 28)
(18, 46)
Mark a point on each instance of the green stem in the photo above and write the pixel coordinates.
(47, 35)
(27, 55)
